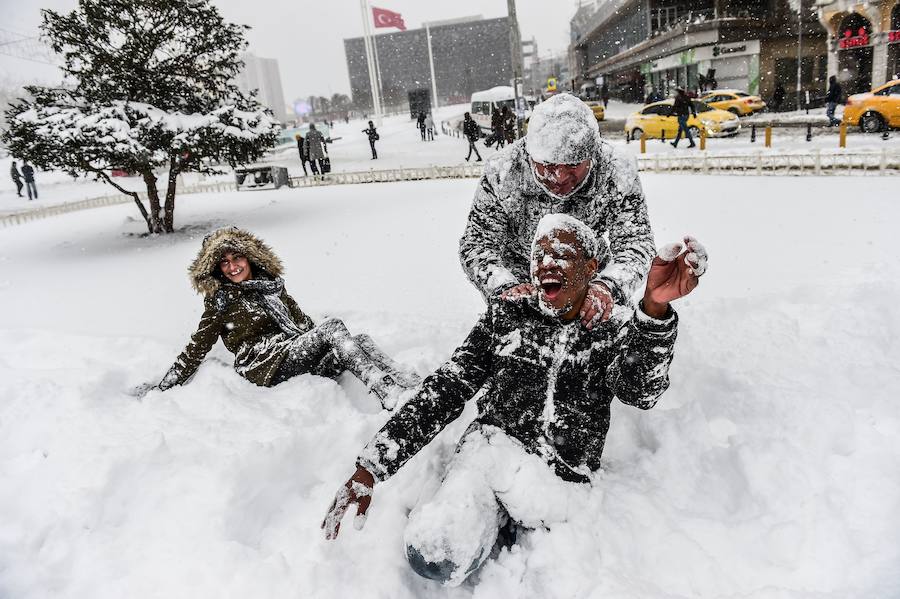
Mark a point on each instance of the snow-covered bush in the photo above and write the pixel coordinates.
(149, 87)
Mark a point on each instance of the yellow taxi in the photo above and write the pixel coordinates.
(734, 101)
(598, 109)
(656, 119)
(876, 110)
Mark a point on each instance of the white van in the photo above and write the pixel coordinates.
(484, 102)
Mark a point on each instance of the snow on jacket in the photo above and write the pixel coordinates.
(547, 382)
(471, 130)
(315, 144)
(495, 249)
(235, 314)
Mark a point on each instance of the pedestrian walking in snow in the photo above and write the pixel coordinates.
(304, 157)
(683, 108)
(17, 178)
(561, 166)
(509, 124)
(497, 135)
(28, 175)
(272, 339)
(429, 127)
(315, 149)
(420, 123)
(778, 97)
(832, 99)
(473, 133)
(372, 133)
(545, 388)
(604, 94)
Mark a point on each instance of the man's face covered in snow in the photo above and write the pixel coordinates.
(561, 179)
(561, 273)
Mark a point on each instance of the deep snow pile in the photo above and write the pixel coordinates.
(767, 470)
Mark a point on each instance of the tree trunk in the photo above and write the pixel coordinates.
(169, 219)
(101, 175)
(155, 225)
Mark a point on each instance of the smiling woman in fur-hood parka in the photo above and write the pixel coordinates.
(272, 339)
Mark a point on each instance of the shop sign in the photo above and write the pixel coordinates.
(551, 84)
(893, 36)
(848, 40)
(721, 51)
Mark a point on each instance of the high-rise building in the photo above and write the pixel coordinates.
(262, 74)
(470, 54)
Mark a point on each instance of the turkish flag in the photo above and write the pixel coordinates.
(388, 18)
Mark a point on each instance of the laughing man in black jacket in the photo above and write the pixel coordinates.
(544, 386)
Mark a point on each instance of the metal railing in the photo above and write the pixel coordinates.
(816, 162)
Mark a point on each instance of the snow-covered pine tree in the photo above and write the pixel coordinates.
(149, 88)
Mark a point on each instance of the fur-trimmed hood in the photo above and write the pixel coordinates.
(203, 270)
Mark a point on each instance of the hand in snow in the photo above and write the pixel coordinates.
(597, 306)
(673, 274)
(357, 490)
(519, 292)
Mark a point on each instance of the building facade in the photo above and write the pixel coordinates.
(263, 75)
(469, 55)
(863, 41)
(638, 46)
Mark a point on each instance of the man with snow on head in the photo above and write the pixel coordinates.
(561, 166)
(544, 386)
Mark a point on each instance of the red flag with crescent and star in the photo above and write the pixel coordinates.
(388, 18)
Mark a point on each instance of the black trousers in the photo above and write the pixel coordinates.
(19, 186)
(473, 148)
(372, 145)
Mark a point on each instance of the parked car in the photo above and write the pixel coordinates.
(654, 119)
(734, 101)
(876, 110)
(597, 108)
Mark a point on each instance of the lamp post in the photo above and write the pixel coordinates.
(799, 52)
(515, 41)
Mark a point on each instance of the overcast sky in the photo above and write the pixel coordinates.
(307, 36)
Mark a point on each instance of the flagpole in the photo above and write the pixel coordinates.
(434, 97)
(377, 68)
(369, 60)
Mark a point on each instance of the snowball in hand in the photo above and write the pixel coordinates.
(562, 130)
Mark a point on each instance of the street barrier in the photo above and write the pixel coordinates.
(817, 162)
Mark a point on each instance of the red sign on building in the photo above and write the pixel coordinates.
(893, 36)
(854, 41)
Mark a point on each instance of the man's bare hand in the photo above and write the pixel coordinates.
(519, 292)
(674, 273)
(357, 490)
(597, 306)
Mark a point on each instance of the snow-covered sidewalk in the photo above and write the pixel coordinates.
(768, 470)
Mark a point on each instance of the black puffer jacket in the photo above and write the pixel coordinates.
(549, 384)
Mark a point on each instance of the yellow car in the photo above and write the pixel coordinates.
(876, 110)
(655, 119)
(598, 109)
(734, 101)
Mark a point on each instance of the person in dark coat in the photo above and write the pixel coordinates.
(682, 109)
(509, 124)
(778, 97)
(604, 95)
(544, 391)
(373, 136)
(272, 339)
(473, 133)
(832, 99)
(497, 136)
(315, 148)
(28, 175)
(420, 123)
(17, 178)
(304, 157)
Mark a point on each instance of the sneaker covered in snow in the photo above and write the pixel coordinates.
(388, 390)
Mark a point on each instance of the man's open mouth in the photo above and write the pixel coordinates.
(551, 286)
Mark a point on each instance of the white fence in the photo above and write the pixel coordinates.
(760, 163)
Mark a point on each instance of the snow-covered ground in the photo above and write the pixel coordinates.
(768, 470)
(401, 146)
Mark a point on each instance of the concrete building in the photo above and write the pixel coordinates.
(636, 45)
(470, 54)
(263, 74)
(863, 41)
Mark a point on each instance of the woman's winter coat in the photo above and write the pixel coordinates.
(251, 325)
(315, 145)
(546, 382)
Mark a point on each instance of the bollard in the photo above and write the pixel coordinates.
(703, 138)
(769, 136)
(663, 138)
(643, 143)
(885, 135)
(628, 137)
(752, 133)
(843, 137)
(808, 132)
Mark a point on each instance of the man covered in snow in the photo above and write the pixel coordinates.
(544, 386)
(560, 166)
